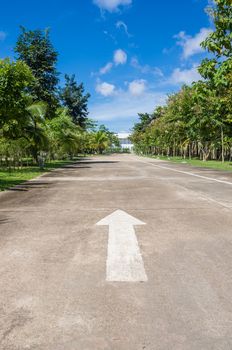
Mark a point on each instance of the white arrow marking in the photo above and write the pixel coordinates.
(124, 260)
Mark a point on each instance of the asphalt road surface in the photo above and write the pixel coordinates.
(155, 275)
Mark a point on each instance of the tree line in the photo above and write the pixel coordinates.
(197, 120)
(38, 118)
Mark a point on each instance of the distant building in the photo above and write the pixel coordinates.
(124, 140)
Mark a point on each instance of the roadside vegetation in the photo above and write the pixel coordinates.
(196, 122)
(41, 122)
(10, 177)
(213, 164)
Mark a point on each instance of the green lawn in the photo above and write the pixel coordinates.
(15, 177)
(199, 163)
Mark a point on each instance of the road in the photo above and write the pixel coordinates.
(75, 277)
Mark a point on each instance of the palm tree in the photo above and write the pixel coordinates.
(100, 141)
(35, 129)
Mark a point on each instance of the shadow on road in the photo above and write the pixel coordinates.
(4, 221)
(75, 167)
(99, 162)
(29, 185)
(19, 186)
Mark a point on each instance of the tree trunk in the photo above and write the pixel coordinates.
(222, 140)
(190, 150)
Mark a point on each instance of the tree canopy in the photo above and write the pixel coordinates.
(37, 117)
(34, 47)
(197, 120)
(15, 81)
(72, 97)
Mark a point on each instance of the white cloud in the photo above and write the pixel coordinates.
(2, 35)
(121, 24)
(184, 76)
(106, 69)
(105, 89)
(146, 69)
(123, 105)
(191, 44)
(137, 87)
(120, 57)
(111, 5)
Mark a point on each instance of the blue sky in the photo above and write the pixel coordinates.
(129, 53)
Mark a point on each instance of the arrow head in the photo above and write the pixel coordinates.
(120, 217)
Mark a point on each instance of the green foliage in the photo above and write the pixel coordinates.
(65, 136)
(219, 41)
(212, 164)
(197, 121)
(145, 120)
(100, 141)
(36, 50)
(33, 126)
(35, 129)
(73, 98)
(16, 176)
(15, 80)
(113, 139)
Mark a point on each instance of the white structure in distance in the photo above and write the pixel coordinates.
(124, 140)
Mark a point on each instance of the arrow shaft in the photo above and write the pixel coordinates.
(124, 261)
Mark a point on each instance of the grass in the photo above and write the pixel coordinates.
(10, 178)
(214, 164)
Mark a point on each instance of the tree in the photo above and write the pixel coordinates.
(219, 41)
(72, 97)
(16, 79)
(113, 138)
(217, 70)
(35, 131)
(100, 141)
(145, 120)
(36, 50)
(65, 137)
(198, 118)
